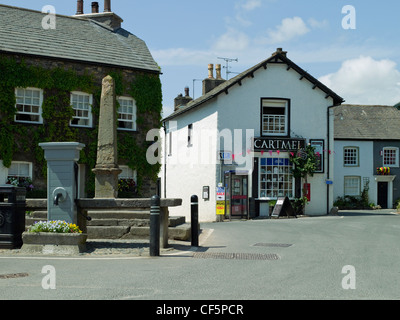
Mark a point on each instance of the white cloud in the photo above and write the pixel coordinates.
(182, 56)
(250, 5)
(242, 9)
(287, 30)
(318, 24)
(366, 81)
(231, 40)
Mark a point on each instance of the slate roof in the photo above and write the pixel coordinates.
(277, 57)
(74, 38)
(366, 122)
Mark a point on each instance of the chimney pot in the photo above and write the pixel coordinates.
(107, 5)
(187, 92)
(79, 9)
(218, 70)
(210, 71)
(95, 7)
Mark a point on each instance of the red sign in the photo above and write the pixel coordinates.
(307, 189)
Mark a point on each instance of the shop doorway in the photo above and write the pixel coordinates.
(383, 194)
(236, 195)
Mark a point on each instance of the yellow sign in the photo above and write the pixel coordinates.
(220, 208)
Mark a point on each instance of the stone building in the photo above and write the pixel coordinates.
(51, 68)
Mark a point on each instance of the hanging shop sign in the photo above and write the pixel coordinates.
(275, 144)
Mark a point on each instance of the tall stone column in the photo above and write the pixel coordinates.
(107, 169)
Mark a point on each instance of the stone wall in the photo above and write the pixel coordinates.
(98, 72)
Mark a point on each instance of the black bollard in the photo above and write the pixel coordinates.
(155, 227)
(195, 220)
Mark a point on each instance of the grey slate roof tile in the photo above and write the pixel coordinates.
(367, 122)
(74, 38)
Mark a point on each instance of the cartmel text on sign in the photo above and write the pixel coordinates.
(273, 144)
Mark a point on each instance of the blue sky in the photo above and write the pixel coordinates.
(361, 64)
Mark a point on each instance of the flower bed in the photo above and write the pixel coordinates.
(56, 226)
(54, 237)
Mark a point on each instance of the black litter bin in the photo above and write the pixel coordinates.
(12, 216)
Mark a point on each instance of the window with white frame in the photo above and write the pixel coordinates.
(390, 157)
(350, 156)
(127, 180)
(275, 119)
(20, 174)
(352, 186)
(127, 114)
(28, 105)
(81, 103)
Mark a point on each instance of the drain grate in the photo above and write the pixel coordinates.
(14, 275)
(272, 245)
(235, 256)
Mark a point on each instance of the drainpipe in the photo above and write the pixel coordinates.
(328, 170)
(165, 160)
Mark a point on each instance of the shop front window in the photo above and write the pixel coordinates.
(276, 179)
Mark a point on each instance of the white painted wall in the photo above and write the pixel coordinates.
(191, 168)
(365, 168)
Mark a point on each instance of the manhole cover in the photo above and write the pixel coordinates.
(236, 256)
(14, 275)
(272, 245)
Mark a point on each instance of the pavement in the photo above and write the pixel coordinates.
(354, 255)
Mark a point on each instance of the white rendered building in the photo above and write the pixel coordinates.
(231, 146)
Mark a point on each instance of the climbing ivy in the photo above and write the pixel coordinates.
(57, 83)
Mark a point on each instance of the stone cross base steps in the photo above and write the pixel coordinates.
(122, 224)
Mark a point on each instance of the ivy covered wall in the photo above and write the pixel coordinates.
(20, 142)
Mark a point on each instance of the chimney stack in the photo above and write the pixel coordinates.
(107, 5)
(279, 51)
(181, 101)
(210, 83)
(95, 7)
(79, 9)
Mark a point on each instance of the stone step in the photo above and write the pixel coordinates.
(173, 222)
(122, 224)
(181, 232)
(120, 214)
(107, 218)
(37, 214)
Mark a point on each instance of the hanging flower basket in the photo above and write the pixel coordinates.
(383, 171)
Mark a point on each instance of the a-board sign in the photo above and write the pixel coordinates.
(283, 207)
